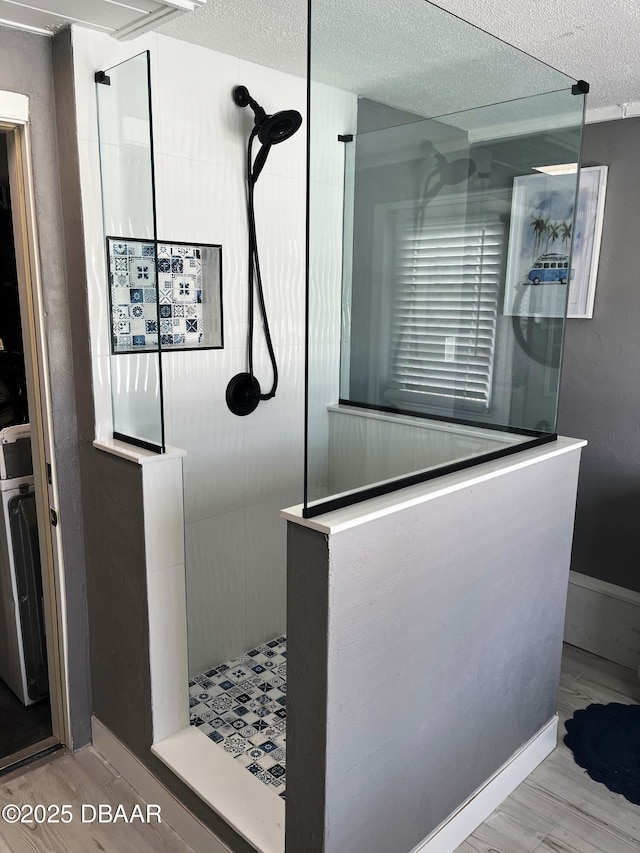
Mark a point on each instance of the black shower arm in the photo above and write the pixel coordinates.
(243, 98)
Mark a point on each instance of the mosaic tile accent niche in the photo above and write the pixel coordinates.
(242, 706)
(172, 301)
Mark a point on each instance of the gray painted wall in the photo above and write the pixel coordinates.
(443, 654)
(26, 67)
(600, 387)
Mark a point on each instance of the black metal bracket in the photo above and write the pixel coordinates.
(102, 77)
(580, 88)
(346, 137)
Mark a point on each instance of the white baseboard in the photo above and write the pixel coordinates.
(180, 819)
(603, 619)
(445, 839)
(468, 817)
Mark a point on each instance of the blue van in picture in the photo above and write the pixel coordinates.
(549, 269)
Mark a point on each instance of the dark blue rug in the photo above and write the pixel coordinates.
(605, 740)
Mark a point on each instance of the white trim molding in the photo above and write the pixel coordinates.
(29, 28)
(136, 454)
(177, 816)
(447, 837)
(170, 9)
(603, 619)
(629, 109)
(614, 112)
(14, 107)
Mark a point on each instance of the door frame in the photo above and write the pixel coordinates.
(14, 123)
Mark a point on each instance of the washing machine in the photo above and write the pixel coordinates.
(23, 657)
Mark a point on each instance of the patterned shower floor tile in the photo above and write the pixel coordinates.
(242, 706)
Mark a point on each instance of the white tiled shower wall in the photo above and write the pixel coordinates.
(238, 472)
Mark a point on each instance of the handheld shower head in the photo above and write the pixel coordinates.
(271, 128)
(279, 127)
(243, 391)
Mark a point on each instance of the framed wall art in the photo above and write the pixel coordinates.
(586, 241)
(546, 235)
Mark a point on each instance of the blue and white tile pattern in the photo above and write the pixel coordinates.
(138, 281)
(242, 706)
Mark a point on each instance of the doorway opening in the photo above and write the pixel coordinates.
(28, 725)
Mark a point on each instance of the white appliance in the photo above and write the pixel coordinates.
(23, 659)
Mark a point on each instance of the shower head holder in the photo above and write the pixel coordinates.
(243, 394)
(242, 98)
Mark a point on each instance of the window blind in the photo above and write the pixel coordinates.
(444, 311)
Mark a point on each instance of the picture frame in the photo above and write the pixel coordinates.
(548, 231)
(586, 241)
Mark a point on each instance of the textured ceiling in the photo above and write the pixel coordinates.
(269, 32)
(595, 41)
(375, 47)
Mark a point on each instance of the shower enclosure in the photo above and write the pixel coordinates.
(432, 347)
(433, 173)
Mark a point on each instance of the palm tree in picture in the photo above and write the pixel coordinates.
(553, 233)
(545, 234)
(539, 227)
(565, 235)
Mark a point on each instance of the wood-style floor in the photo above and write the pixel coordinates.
(76, 779)
(558, 809)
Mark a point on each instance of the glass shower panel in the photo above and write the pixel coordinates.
(129, 214)
(442, 314)
(456, 238)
